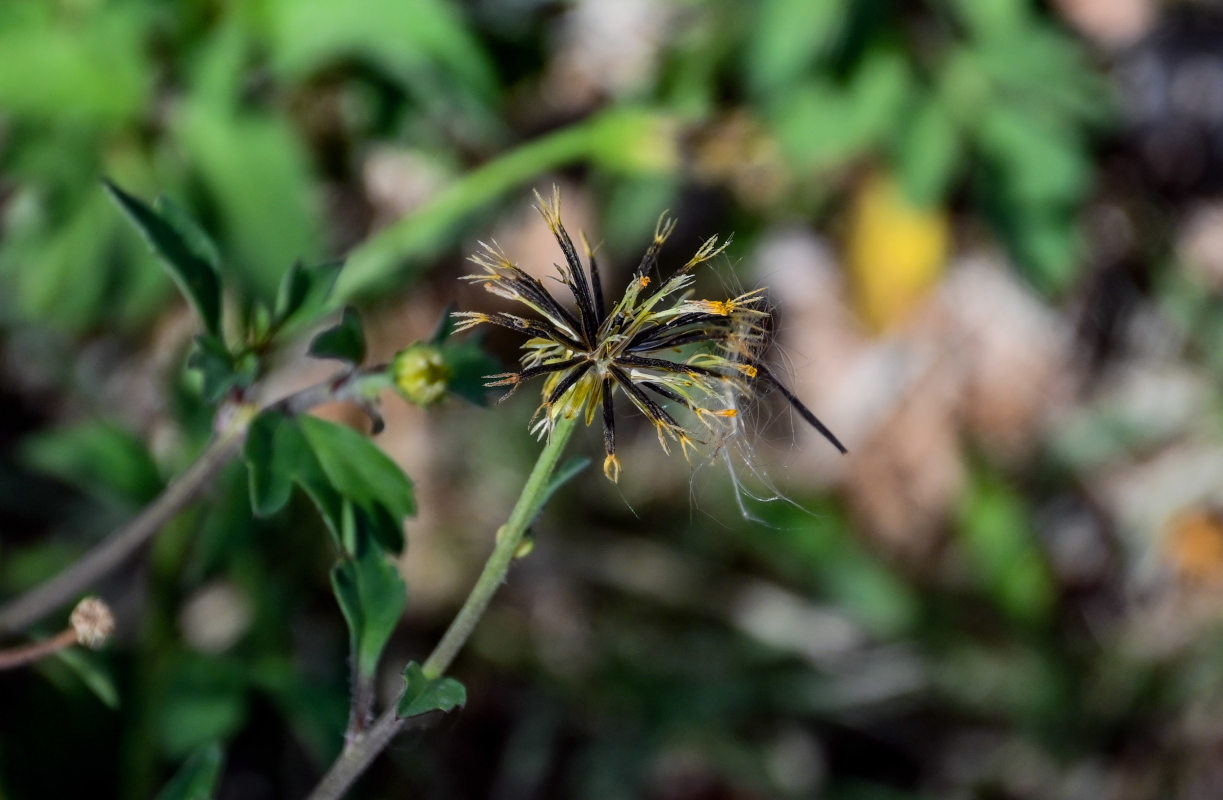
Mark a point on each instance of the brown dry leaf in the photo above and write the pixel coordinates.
(1012, 354)
(982, 356)
(903, 482)
(1193, 544)
(1112, 23)
(607, 48)
(398, 181)
(1200, 245)
(890, 400)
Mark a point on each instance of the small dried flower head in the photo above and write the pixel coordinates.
(93, 622)
(421, 374)
(666, 352)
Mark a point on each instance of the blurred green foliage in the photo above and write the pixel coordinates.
(255, 117)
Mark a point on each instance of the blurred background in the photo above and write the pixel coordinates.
(992, 231)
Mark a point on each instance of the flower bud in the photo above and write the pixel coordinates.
(421, 374)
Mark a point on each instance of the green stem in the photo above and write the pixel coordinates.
(626, 139)
(359, 752)
(509, 537)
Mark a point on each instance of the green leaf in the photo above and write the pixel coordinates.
(445, 326)
(821, 124)
(620, 139)
(99, 458)
(194, 237)
(927, 152)
(361, 472)
(197, 778)
(1039, 161)
(424, 43)
(218, 369)
(273, 452)
(422, 694)
(372, 596)
(257, 175)
(87, 69)
(196, 278)
(357, 467)
(95, 677)
(469, 363)
(304, 291)
(1001, 546)
(786, 37)
(277, 455)
(344, 342)
(192, 716)
(564, 473)
(90, 269)
(993, 19)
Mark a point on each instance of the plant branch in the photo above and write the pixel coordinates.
(26, 609)
(360, 751)
(29, 653)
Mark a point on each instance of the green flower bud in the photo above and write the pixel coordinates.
(421, 374)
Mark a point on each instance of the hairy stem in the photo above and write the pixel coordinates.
(30, 607)
(360, 751)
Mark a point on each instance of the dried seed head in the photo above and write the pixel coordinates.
(685, 364)
(93, 622)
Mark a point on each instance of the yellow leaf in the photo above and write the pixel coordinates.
(896, 251)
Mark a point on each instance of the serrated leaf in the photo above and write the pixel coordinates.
(372, 596)
(358, 468)
(197, 778)
(194, 237)
(344, 342)
(422, 694)
(196, 278)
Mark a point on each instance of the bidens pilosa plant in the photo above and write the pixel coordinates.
(656, 344)
(689, 365)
